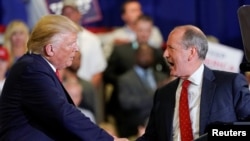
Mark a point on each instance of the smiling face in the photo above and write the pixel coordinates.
(186, 50)
(177, 55)
(64, 49)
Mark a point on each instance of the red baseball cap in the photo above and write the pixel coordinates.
(4, 55)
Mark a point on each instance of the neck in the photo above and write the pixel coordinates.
(132, 26)
(70, 76)
(18, 51)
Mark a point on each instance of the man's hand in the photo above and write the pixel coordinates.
(120, 139)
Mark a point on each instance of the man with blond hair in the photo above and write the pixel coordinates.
(34, 105)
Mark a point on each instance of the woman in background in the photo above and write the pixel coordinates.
(15, 39)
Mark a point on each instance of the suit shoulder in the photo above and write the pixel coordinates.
(128, 74)
(30, 60)
(171, 86)
(224, 74)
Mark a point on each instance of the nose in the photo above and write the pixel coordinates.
(77, 48)
(165, 53)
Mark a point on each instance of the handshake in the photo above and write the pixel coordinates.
(120, 139)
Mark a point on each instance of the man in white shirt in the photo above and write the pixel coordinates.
(131, 10)
(212, 97)
(93, 62)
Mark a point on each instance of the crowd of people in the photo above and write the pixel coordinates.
(125, 86)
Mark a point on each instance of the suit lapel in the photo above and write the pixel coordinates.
(168, 107)
(207, 94)
(67, 95)
(39, 57)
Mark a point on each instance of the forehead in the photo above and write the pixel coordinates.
(68, 9)
(68, 37)
(132, 5)
(175, 39)
(143, 22)
(176, 34)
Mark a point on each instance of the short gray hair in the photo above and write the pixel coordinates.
(193, 36)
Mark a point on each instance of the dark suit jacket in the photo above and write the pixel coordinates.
(136, 100)
(121, 60)
(134, 95)
(225, 97)
(34, 106)
(89, 96)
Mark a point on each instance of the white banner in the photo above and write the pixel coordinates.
(222, 57)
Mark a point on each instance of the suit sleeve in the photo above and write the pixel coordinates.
(151, 131)
(45, 102)
(241, 98)
(130, 95)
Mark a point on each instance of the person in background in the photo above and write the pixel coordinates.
(136, 91)
(212, 96)
(34, 105)
(130, 11)
(4, 65)
(247, 75)
(69, 74)
(75, 90)
(123, 58)
(15, 39)
(93, 62)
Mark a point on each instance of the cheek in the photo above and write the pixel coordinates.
(23, 38)
(165, 53)
(13, 39)
(66, 51)
(64, 55)
(3, 67)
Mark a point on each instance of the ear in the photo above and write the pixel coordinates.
(123, 17)
(193, 53)
(49, 50)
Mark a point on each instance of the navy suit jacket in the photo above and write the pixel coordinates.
(34, 106)
(225, 97)
(134, 96)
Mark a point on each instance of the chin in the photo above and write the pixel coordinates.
(172, 73)
(69, 64)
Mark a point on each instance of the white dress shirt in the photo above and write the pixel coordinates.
(147, 76)
(194, 96)
(93, 60)
(125, 33)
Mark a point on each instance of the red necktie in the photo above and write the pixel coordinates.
(184, 116)
(57, 74)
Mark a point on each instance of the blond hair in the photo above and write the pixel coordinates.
(12, 28)
(47, 28)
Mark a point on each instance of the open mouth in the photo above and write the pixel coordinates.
(170, 64)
